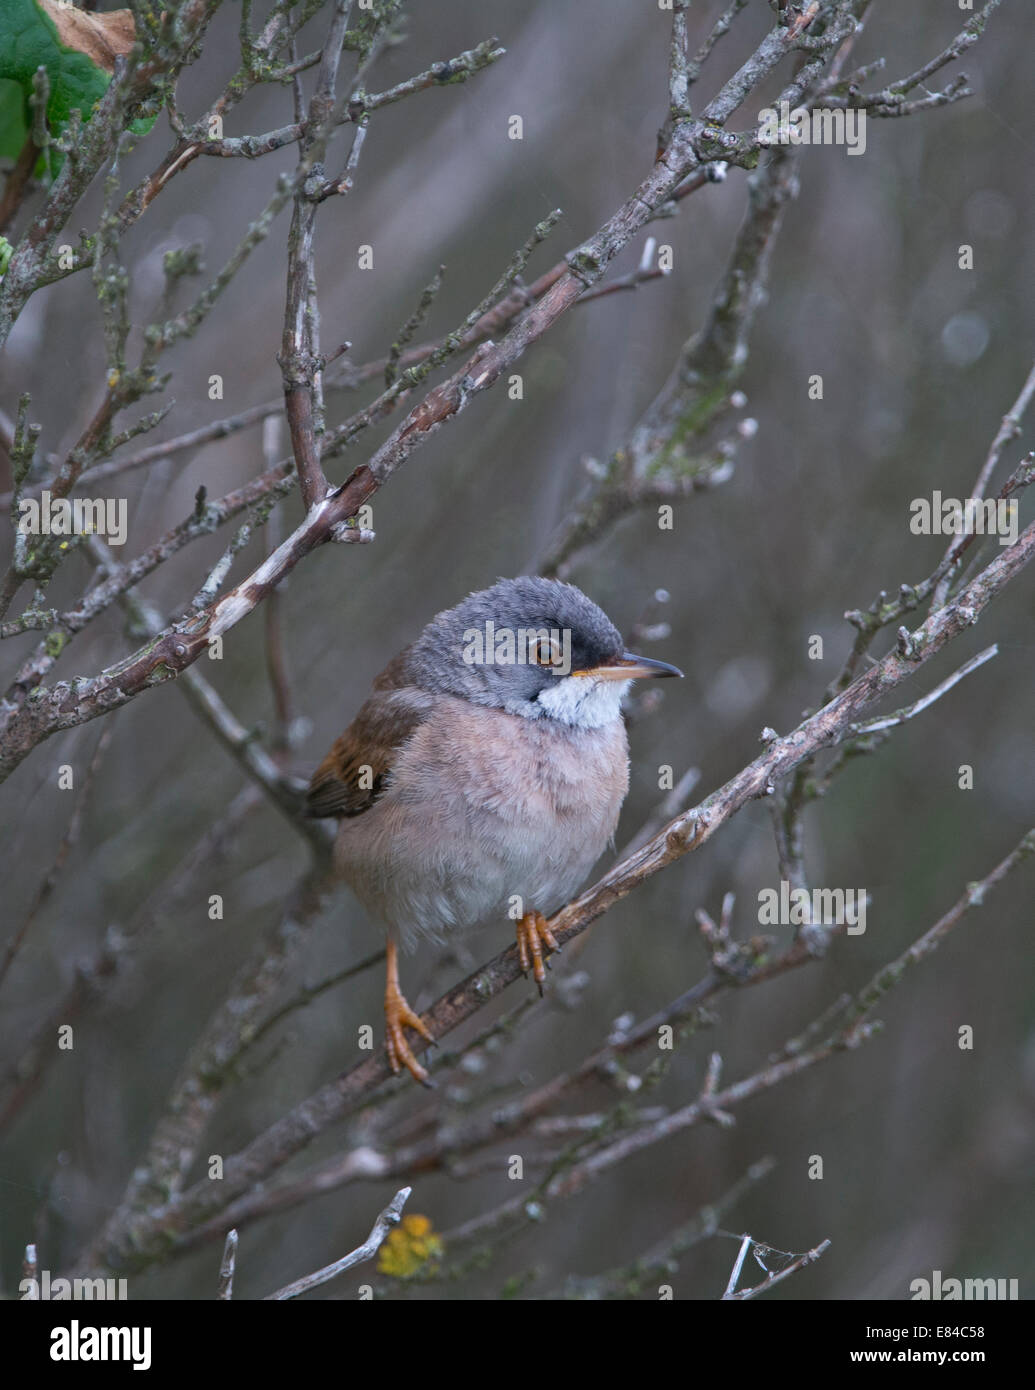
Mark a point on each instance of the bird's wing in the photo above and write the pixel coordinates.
(352, 775)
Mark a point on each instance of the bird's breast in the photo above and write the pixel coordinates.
(485, 815)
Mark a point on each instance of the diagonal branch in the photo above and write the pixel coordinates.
(299, 356)
(180, 645)
(391, 1216)
(658, 461)
(132, 1234)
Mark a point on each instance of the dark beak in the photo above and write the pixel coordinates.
(630, 667)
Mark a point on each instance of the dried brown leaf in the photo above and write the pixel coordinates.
(102, 37)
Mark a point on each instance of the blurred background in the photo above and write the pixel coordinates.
(928, 1150)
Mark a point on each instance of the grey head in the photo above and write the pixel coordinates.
(533, 647)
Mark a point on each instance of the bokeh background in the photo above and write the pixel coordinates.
(928, 1150)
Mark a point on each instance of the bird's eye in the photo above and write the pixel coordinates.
(545, 651)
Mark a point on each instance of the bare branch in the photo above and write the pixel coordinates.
(738, 1265)
(1007, 432)
(227, 1267)
(287, 730)
(891, 721)
(799, 1262)
(454, 70)
(891, 101)
(181, 644)
(391, 1216)
(657, 1264)
(299, 355)
(684, 834)
(722, 26)
(656, 462)
(890, 975)
(32, 264)
(671, 452)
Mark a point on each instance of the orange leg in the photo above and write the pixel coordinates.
(532, 935)
(398, 1017)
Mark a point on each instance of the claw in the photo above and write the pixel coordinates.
(398, 1017)
(532, 935)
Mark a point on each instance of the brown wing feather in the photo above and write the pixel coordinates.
(352, 775)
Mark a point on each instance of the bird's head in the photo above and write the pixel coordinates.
(533, 647)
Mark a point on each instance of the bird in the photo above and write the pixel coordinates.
(483, 777)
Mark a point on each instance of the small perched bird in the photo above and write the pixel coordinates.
(487, 769)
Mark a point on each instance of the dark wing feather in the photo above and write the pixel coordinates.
(352, 775)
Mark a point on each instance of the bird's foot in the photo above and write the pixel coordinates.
(398, 1017)
(532, 935)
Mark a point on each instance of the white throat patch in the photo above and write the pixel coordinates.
(583, 701)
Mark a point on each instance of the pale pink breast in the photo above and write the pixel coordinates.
(528, 808)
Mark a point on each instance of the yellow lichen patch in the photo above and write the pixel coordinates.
(412, 1245)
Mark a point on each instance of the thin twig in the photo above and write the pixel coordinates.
(657, 1264)
(738, 1265)
(890, 101)
(276, 658)
(286, 1137)
(891, 974)
(227, 1267)
(722, 26)
(799, 1262)
(891, 721)
(391, 1216)
(1007, 432)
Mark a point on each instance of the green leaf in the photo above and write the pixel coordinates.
(77, 50)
